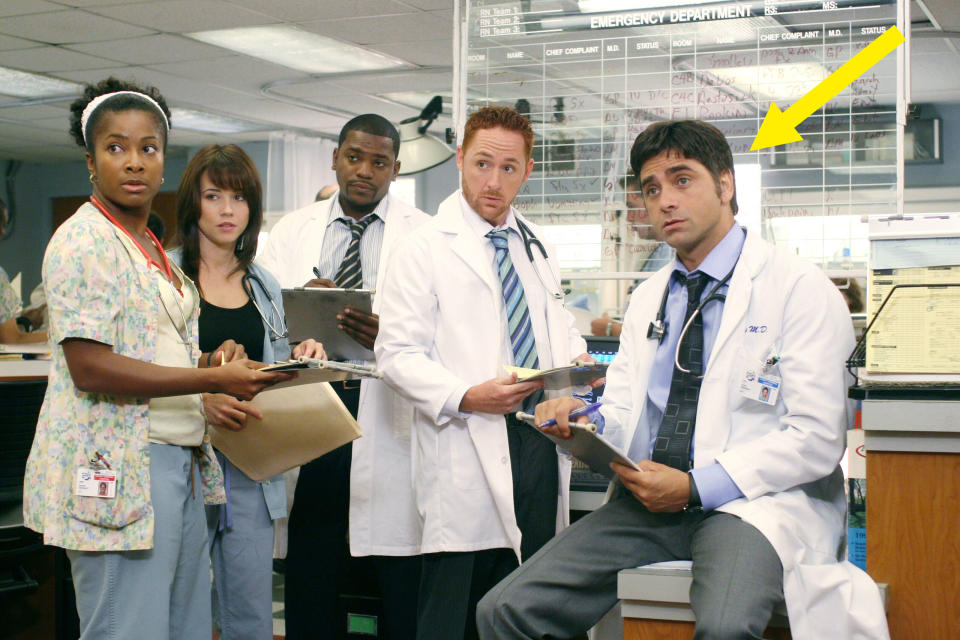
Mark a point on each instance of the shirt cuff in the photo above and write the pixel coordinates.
(451, 408)
(715, 485)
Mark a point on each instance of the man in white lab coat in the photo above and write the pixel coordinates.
(370, 479)
(742, 481)
(489, 490)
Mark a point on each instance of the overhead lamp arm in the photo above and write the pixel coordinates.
(430, 112)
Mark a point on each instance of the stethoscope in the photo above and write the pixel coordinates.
(658, 329)
(530, 241)
(276, 331)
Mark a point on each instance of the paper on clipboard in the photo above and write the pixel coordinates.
(312, 313)
(300, 423)
(311, 370)
(587, 446)
(558, 378)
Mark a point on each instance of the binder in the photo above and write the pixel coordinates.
(588, 446)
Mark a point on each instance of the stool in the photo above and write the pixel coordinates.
(655, 602)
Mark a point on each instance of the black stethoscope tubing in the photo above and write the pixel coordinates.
(657, 329)
(530, 241)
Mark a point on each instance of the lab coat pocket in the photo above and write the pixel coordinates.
(464, 460)
(132, 500)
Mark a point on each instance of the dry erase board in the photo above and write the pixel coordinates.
(592, 74)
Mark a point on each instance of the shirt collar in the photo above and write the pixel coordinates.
(722, 258)
(336, 211)
(480, 226)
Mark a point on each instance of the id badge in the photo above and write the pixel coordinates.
(758, 384)
(96, 483)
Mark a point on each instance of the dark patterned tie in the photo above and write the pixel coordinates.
(672, 446)
(522, 341)
(350, 275)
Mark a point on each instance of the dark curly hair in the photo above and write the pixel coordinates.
(119, 103)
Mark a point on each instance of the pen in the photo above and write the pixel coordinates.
(316, 272)
(579, 413)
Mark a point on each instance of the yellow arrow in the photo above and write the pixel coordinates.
(780, 127)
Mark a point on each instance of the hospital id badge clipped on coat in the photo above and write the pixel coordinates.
(96, 483)
(758, 382)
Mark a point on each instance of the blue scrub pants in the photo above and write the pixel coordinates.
(242, 555)
(155, 594)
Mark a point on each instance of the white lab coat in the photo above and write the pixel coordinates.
(383, 517)
(440, 331)
(783, 458)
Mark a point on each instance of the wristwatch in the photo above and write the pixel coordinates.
(694, 505)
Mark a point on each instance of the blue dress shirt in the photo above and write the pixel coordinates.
(713, 483)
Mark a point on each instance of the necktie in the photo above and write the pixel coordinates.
(518, 315)
(672, 446)
(349, 275)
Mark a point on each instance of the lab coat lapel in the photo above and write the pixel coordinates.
(752, 258)
(394, 226)
(465, 244)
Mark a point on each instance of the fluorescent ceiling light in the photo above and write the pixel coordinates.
(780, 82)
(417, 99)
(209, 122)
(30, 85)
(298, 49)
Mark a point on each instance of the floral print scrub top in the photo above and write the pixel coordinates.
(97, 289)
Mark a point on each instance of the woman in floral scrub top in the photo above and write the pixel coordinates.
(123, 404)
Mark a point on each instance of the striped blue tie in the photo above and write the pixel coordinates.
(518, 315)
(349, 275)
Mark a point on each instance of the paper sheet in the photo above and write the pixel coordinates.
(918, 328)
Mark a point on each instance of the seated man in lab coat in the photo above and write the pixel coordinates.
(462, 299)
(744, 483)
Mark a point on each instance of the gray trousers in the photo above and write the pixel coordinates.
(161, 593)
(571, 583)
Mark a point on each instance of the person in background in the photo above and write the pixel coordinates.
(123, 401)
(647, 253)
(852, 293)
(10, 307)
(219, 213)
(326, 193)
(363, 488)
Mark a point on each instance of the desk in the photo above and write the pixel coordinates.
(912, 441)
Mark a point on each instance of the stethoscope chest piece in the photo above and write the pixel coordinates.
(657, 330)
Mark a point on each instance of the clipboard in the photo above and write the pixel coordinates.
(587, 446)
(312, 313)
(559, 378)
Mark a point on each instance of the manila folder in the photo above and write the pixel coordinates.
(300, 423)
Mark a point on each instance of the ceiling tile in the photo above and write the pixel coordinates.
(410, 27)
(151, 49)
(51, 60)
(179, 16)
(429, 53)
(63, 27)
(39, 113)
(239, 72)
(428, 5)
(304, 10)
(8, 43)
(23, 7)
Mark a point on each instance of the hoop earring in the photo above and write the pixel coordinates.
(239, 248)
(93, 179)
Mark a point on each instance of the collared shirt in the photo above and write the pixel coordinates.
(337, 239)
(533, 290)
(534, 293)
(9, 300)
(713, 483)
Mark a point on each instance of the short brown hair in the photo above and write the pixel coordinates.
(228, 167)
(505, 117)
